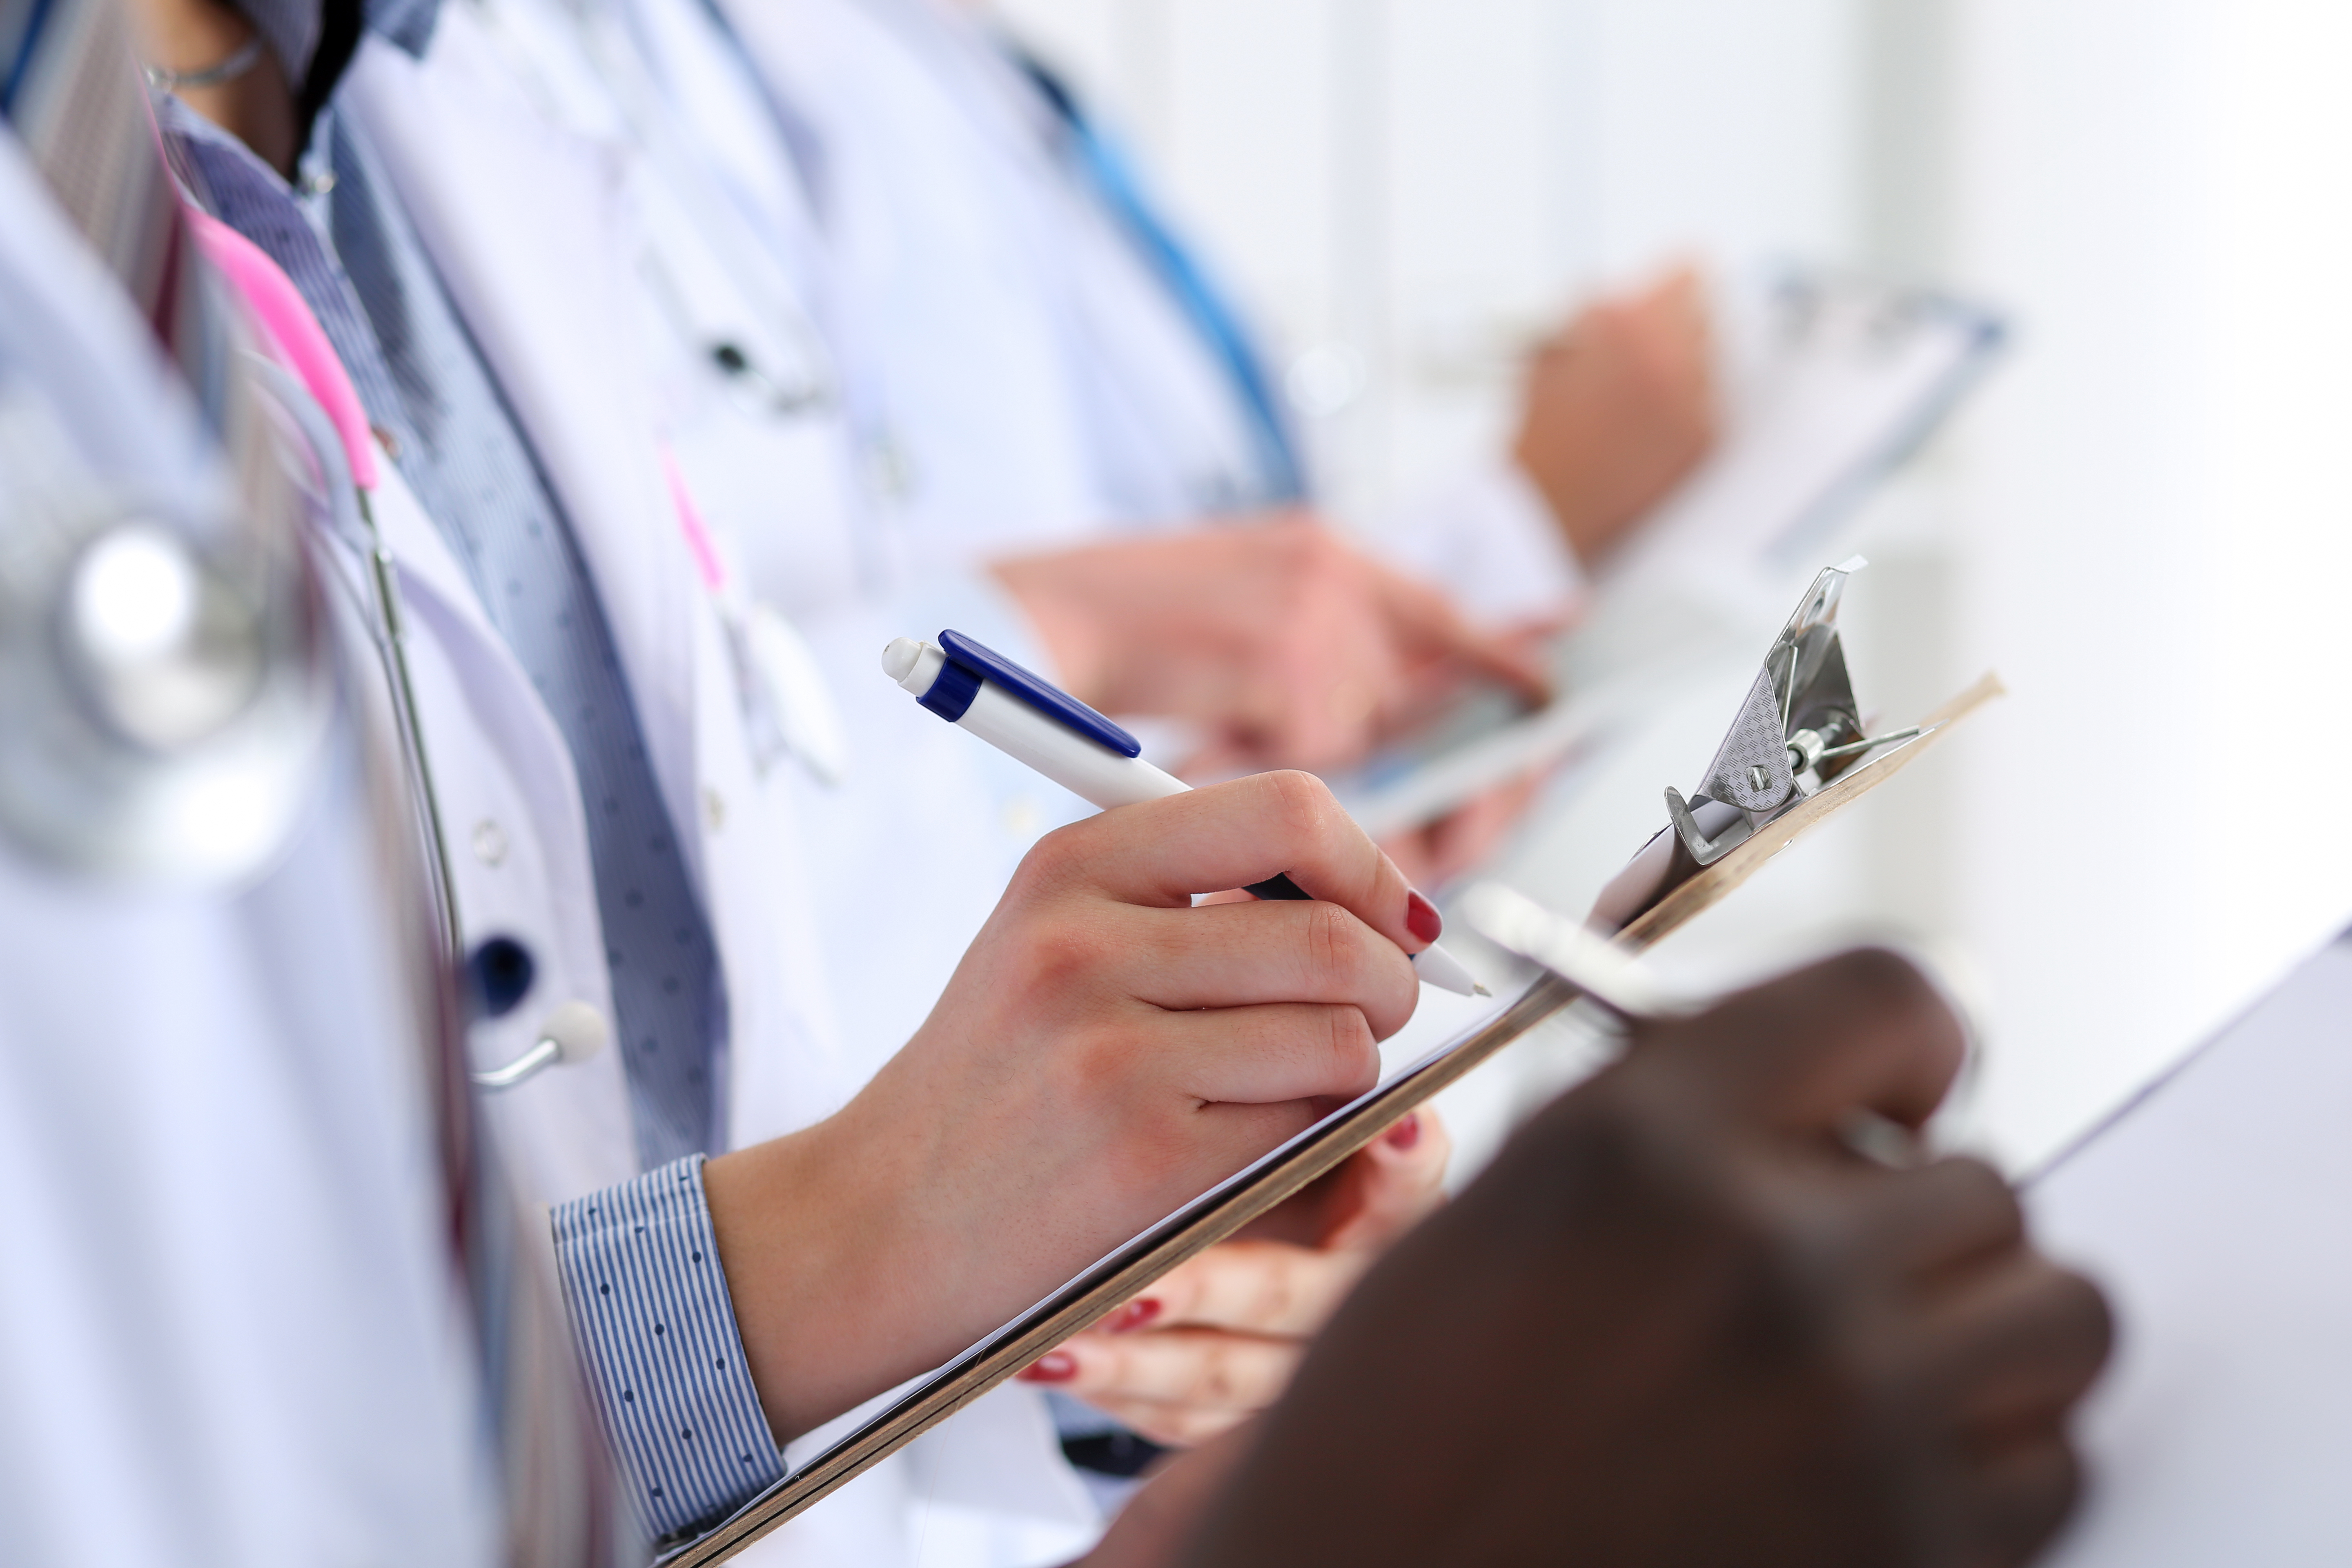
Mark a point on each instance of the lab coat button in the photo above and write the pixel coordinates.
(489, 842)
(714, 809)
(498, 974)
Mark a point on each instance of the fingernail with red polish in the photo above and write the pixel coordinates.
(1405, 1133)
(1054, 1366)
(1421, 919)
(1132, 1316)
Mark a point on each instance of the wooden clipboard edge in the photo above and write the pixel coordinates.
(1715, 882)
(1126, 1273)
(1121, 1277)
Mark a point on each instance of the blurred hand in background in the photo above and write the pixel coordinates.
(1436, 852)
(1285, 645)
(1619, 408)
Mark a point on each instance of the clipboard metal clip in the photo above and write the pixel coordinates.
(1799, 729)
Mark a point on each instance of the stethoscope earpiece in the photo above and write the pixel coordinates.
(572, 1033)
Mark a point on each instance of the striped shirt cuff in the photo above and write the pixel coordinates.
(649, 1304)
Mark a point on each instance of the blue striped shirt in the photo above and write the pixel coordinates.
(649, 1302)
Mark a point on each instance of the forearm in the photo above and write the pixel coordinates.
(882, 1242)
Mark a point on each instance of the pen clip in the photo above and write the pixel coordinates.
(969, 663)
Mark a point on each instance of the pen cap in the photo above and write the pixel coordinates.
(945, 685)
(978, 662)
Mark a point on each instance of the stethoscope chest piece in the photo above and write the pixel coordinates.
(161, 697)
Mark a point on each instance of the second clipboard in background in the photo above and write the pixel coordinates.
(1829, 385)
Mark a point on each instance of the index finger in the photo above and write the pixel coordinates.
(1863, 1031)
(1162, 852)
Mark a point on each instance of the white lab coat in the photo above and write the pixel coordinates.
(529, 226)
(1043, 385)
(1009, 439)
(230, 1337)
(967, 275)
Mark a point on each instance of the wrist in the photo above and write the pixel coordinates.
(834, 1278)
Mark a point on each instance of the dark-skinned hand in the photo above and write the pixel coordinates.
(1680, 1324)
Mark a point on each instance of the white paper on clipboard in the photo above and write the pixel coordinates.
(1828, 387)
(2212, 1210)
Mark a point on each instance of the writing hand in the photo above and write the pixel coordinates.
(1105, 1052)
(1290, 648)
(1679, 1323)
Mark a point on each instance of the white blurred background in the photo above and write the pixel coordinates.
(2144, 522)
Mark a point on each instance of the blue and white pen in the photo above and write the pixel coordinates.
(1033, 721)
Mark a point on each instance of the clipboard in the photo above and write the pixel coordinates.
(1279, 1174)
(1834, 384)
(2210, 1206)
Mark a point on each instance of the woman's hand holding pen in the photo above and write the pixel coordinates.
(1105, 1051)
(1215, 1340)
